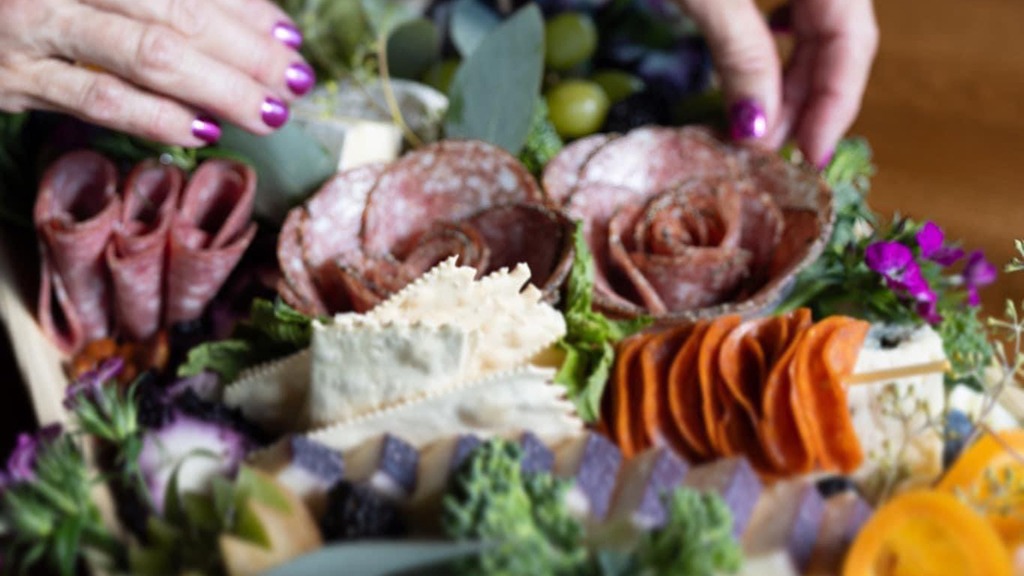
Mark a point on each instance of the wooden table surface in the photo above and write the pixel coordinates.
(944, 113)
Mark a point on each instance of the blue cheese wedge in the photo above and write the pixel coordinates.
(502, 405)
(358, 368)
(890, 413)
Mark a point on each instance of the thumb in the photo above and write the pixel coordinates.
(744, 54)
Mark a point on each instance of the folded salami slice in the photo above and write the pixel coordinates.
(447, 181)
(562, 173)
(210, 233)
(137, 254)
(74, 215)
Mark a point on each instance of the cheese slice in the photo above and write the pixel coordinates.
(273, 395)
(503, 405)
(358, 368)
(890, 414)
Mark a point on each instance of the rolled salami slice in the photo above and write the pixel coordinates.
(74, 215)
(137, 254)
(446, 181)
(209, 235)
(530, 233)
(562, 173)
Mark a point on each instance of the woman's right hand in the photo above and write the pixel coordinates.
(165, 70)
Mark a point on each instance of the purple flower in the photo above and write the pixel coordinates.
(931, 241)
(21, 464)
(89, 386)
(977, 273)
(895, 262)
(929, 310)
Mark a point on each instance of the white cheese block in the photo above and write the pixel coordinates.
(368, 143)
(787, 517)
(892, 413)
(358, 369)
(972, 402)
(504, 405)
(273, 395)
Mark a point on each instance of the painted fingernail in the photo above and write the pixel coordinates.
(206, 129)
(826, 160)
(747, 120)
(288, 34)
(300, 78)
(274, 112)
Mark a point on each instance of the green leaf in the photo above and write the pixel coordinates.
(281, 323)
(378, 558)
(227, 358)
(471, 22)
(412, 48)
(494, 91)
(289, 163)
(386, 15)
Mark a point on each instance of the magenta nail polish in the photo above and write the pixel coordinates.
(288, 34)
(274, 112)
(747, 120)
(826, 161)
(206, 129)
(300, 78)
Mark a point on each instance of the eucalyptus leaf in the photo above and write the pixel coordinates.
(412, 48)
(495, 90)
(387, 15)
(379, 558)
(290, 165)
(472, 21)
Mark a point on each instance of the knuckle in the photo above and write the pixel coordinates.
(157, 49)
(187, 16)
(158, 123)
(103, 99)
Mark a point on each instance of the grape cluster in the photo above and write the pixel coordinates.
(609, 65)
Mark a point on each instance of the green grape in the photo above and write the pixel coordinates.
(577, 107)
(618, 85)
(439, 76)
(570, 39)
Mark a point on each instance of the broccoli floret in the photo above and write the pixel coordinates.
(696, 541)
(542, 141)
(523, 518)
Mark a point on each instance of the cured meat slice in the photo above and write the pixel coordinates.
(446, 181)
(562, 173)
(620, 404)
(530, 233)
(74, 215)
(784, 439)
(685, 398)
(137, 254)
(450, 239)
(209, 235)
(296, 285)
(335, 216)
(655, 363)
(652, 159)
(712, 388)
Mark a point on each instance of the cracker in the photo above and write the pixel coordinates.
(362, 367)
(273, 394)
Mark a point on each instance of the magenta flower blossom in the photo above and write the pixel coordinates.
(931, 240)
(21, 464)
(895, 262)
(977, 273)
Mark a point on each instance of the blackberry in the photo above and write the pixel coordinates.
(151, 406)
(640, 109)
(356, 511)
(188, 402)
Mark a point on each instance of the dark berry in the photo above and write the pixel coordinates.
(356, 511)
(191, 404)
(640, 109)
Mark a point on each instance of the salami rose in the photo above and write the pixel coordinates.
(683, 226)
(74, 215)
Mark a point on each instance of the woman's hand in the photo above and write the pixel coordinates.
(165, 70)
(818, 97)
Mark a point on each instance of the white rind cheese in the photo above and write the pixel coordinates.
(503, 405)
(890, 416)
